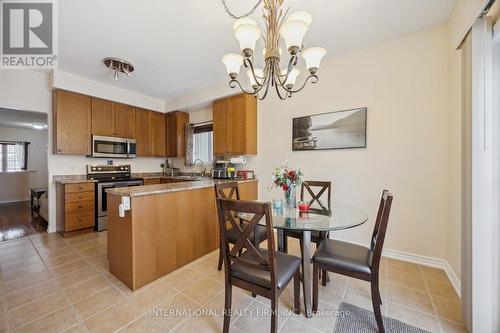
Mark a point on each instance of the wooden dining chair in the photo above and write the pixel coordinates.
(230, 191)
(261, 271)
(355, 260)
(316, 190)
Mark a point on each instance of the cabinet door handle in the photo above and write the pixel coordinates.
(80, 197)
(80, 206)
(80, 220)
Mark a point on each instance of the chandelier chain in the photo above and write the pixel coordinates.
(241, 16)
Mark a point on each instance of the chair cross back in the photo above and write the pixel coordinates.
(316, 197)
(228, 210)
(220, 191)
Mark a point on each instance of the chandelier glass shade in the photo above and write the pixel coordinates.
(281, 29)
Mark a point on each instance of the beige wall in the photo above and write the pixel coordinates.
(404, 85)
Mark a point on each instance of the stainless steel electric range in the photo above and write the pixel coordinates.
(108, 176)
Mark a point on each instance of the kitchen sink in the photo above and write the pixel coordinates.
(187, 178)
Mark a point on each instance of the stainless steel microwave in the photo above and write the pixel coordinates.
(111, 147)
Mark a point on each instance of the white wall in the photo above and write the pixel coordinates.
(37, 150)
(404, 84)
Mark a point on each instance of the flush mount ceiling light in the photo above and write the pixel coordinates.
(118, 66)
(281, 29)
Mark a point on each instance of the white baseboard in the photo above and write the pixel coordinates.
(426, 261)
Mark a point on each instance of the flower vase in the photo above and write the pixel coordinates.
(290, 197)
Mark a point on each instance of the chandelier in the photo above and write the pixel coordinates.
(280, 28)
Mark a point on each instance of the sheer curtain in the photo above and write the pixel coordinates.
(189, 135)
(20, 151)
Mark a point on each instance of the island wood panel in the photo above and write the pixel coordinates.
(120, 243)
(72, 123)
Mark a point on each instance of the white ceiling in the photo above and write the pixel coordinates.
(176, 45)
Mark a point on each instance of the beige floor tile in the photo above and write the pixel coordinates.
(36, 309)
(14, 264)
(70, 268)
(205, 324)
(77, 277)
(16, 254)
(172, 312)
(440, 288)
(413, 299)
(434, 273)
(364, 287)
(78, 291)
(98, 258)
(447, 308)
(45, 253)
(412, 317)
(53, 261)
(31, 293)
(258, 318)
(94, 251)
(402, 266)
(23, 242)
(91, 305)
(141, 325)
(78, 328)
(113, 318)
(324, 320)
(332, 293)
(124, 290)
(152, 295)
(25, 281)
(362, 300)
(88, 244)
(185, 278)
(22, 270)
(4, 323)
(239, 302)
(452, 327)
(54, 322)
(204, 290)
(293, 325)
(407, 280)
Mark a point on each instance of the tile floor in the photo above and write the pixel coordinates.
(51, 284)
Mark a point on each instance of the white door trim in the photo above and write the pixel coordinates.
(482, 223)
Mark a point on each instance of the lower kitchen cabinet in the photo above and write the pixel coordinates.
(75, 206)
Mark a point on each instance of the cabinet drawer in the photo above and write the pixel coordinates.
(80, 187)
(78, 197)
(151, 181)
(79, 220)
(78, 206)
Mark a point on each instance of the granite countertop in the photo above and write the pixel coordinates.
(138, 191)
(73, 179)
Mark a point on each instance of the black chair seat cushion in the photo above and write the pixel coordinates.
(343, 255)
(316, 236)
(286, 266)
(232, 235)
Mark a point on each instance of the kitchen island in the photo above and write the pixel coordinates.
(167, 227)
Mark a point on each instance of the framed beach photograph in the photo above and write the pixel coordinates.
(332, 130)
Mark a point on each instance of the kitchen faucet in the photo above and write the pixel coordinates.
(203, 168)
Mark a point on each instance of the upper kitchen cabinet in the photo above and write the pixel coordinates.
(112, 119)
(235, 125)
(72, 114)
(143, 135)
(158, 134)
(124, 121)
(176, 123)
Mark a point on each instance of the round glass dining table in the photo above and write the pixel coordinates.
(338, 216)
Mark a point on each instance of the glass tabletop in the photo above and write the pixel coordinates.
(340, 216)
